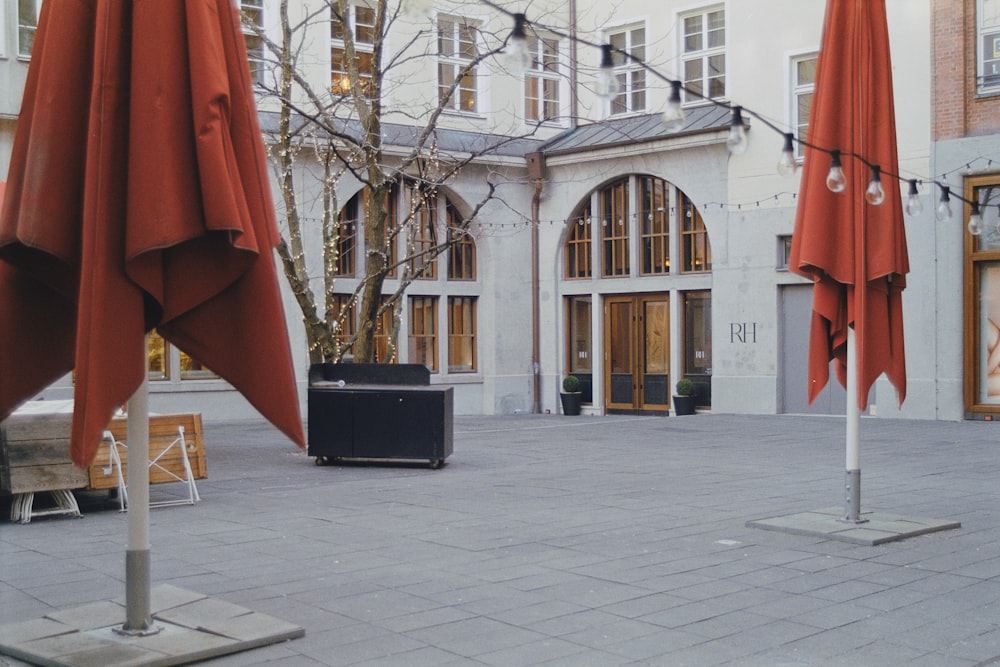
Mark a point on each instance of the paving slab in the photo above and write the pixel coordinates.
(621, 540)
(873, 529)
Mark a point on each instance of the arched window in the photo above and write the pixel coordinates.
(578, 243)
(462, 247)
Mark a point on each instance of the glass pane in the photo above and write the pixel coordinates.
(158, 363)
(621, 338)
(656, 336)
(692, 34)
(697, 333)
(579, 335)
(805, 72)
(364, 25)
(991, 13)
(989, 333)
(716, 29)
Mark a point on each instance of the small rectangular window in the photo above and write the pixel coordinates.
(461, 334)
(631, 76)
(784, 251)
(988, 46)
(703, 53)
(423, 332)
(27, 24)
(803, 83)
(457, 64)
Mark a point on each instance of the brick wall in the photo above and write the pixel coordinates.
(956, 110)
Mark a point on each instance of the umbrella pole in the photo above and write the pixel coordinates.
(852, 482)
(138, 618)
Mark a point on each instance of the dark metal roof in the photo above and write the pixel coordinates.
(448, 140)
(635, 129)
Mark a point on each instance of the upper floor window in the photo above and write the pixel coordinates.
(359, 20)
(631, 76)
(988, 23)
(541, 82)
(27, 23)
(803, 83)
(252, 13)
(703, 53)
(457, 70)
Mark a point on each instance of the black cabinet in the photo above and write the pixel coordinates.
(378, 421)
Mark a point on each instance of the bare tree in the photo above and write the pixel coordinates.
(341, 129)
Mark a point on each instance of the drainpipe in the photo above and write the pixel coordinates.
(536, 171)
(574, 98)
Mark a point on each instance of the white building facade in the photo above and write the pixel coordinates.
(615, 249)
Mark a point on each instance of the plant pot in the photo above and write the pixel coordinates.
(571, 403)
(684, 405)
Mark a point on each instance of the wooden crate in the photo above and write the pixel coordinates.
(34, 454)
(162, 432)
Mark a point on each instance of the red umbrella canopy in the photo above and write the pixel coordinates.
(137, 197)
(855, 252)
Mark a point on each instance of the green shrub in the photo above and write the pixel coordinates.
(685, 387)
(571, 384)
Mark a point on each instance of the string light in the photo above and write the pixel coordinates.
(607, 81)
(673, 115)
(975, 225)
(875, 194)
(608, 86)
(835, 180)
(944, 204)
(517, 55)
(736, 142)
(787, 164)
(914, 206)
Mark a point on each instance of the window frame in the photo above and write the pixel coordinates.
(422, 336)
(466, 98)
(654, 225)
(987, 48)
(703, 55)
(695, 243)
(252, 11)
(462, 341)
(615, 229)
(799, 106)
(982, 261)
(632, 98)
(461, 246)
(25, 44)
(340, 82)
(542, 81)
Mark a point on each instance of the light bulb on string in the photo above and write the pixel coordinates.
(975, 225)
(914, 206)
(875, 193)
(673, 114)
(736, 142)
(944, 204)
(607, 81)
(787, 164)
(517, 55)
(417, 9)
(835, 180)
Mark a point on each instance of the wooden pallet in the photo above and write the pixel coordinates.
(162, 433)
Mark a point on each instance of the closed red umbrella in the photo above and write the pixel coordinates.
(853, 250)
(137, 197)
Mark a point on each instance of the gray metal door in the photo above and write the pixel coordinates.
(795, 304)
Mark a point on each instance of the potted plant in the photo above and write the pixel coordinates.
(571, 396)
(684, 398)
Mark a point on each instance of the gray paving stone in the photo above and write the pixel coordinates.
(557, 541)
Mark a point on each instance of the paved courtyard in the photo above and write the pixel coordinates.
(551, 540)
